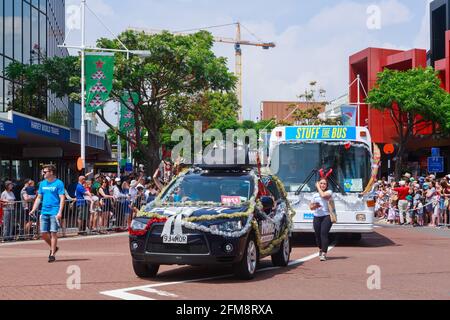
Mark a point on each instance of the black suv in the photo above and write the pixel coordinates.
(214, 215)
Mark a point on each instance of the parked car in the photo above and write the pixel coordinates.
(214, 215)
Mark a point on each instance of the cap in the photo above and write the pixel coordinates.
(408, 175)
(402, 183)
(432, 176)
(139, 186)
(412, 180)
(108, 178)
(117, 180)
(97, 176)
(133, 183)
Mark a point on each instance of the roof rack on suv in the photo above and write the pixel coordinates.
(225, 167)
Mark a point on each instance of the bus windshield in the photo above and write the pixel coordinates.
(295, 163)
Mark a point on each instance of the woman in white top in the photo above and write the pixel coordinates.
(322, 220)
(7, 201)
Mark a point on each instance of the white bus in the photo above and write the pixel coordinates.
(297, 154)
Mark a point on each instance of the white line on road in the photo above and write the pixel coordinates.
(125, 295)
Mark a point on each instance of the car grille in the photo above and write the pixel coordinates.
(196, 243)
(191, 248)
(158, 229)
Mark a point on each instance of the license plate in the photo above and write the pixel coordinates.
(177, 239)
(308, 216)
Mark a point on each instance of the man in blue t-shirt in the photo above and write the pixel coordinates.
(82, 205)
(51, 193)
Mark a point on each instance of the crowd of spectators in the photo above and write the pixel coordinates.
(415, 201)
(96, 203)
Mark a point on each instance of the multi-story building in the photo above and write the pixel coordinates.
(370, 61)
(284, 110)
(31, 30)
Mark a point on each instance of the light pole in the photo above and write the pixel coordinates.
(119, 143)
(83, 49)
(83, 87)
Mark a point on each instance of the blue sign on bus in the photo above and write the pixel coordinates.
(321, 133)
(436, 164)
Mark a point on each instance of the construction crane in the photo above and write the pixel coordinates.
(238, 42)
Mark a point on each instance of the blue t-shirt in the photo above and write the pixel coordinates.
(50, 192)
(79, 192)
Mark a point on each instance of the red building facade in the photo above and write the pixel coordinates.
(367, 64)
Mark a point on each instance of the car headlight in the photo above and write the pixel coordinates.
(137, 225)
(229, 226)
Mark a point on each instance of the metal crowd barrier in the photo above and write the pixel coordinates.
(99, 216)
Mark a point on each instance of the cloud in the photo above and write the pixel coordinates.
(316, 50)
(423, 38)
(100, 7)
(394, 13)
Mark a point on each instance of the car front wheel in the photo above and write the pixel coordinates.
(145, 270)
(281, 258)
(246, 268)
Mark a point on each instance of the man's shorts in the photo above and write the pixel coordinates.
(49, 224)
(82, 213)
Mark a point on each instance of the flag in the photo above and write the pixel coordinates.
(99, 74)
(348, 115)
(127, 122)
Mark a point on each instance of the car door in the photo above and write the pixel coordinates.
(269, 229)
(280, 212)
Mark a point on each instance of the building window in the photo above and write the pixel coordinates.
(1, 27)
(2, 99)
(43, 6)
(43, 34)
(26, 33)
(8, 28)
(18, 30)
(5, 169)
(35, 29)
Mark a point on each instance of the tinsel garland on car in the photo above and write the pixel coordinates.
(253, 203)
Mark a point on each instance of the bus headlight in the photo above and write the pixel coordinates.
(361, 217)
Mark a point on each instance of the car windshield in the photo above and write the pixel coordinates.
(295, 163)
(229, 189)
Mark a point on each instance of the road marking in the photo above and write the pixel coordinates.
(125, 295)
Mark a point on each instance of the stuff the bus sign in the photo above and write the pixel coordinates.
(321, 133)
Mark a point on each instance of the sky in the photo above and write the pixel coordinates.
(314, 39)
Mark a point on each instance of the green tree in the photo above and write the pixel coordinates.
(175, 83)
(413, 99)
(314, 97)
(179, 81)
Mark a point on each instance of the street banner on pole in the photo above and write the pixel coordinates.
(127, 122)
(99, 79)
(348, 115)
